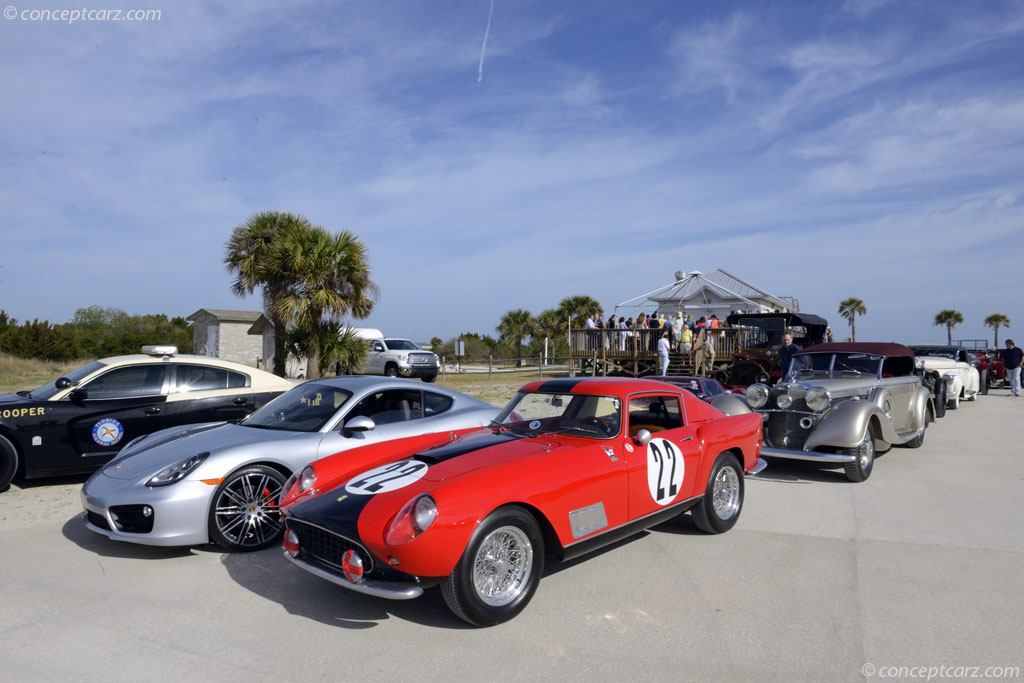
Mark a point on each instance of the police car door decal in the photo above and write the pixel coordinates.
(665, 468)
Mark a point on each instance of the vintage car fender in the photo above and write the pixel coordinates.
(844, 426)
(731, 404)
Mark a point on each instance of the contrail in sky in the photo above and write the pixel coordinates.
(483, 48)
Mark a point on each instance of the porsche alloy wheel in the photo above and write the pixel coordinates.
(499, 570)
(244, 515)
(860, 469)
(720, 506)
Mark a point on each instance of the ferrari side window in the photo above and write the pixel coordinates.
(654, 413)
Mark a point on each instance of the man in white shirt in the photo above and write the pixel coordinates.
(663, 348)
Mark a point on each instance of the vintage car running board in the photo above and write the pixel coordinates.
(814, 456)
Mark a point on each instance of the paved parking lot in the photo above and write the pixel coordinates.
(820, 580)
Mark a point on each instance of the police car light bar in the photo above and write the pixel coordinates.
(160, 350)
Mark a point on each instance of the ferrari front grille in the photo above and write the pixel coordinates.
(325, 547)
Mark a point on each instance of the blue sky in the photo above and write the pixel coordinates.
(820, 150)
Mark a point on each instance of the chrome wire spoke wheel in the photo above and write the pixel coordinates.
(246, 509)
(726, 493)
(866, 453)
(502, 566)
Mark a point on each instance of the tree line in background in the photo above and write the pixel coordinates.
(94, 332)
(948, 318)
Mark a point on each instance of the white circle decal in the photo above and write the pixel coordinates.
(387, 478)
(535, 424)
(665, 469)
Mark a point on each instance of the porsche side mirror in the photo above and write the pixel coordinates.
(360, 423)
(643, 437)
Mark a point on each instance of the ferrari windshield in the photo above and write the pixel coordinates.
(838, 364)
(586, 415)
(306, 408)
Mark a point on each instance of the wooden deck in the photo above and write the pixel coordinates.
(634, 352)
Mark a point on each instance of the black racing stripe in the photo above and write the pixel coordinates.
(340, 516)
(457, 448)
(563, 385)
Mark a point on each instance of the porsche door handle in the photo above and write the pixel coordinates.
(152, 411)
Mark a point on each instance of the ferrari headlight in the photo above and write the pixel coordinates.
(178, 470)
(307, 478)
(413, 519)
(784, 401)
(818, 399)
(757, 396)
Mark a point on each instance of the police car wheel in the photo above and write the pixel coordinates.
(8, 463)
(244, 514)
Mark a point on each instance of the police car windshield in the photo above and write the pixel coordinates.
(46, 391)
(306, 408)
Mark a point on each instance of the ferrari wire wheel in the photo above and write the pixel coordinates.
(726, 493)
(502, 566)
(245, 511)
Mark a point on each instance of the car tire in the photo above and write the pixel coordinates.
(719, 508)
(983, 383)
(430, 379)
(244, 512)
(509, 538)
(391, 370)
(953, 403)
(860, 469)
(940, 400)
(8, 463)
(918, 440)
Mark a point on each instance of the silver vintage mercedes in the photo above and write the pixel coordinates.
(221, 481)
(841, 403)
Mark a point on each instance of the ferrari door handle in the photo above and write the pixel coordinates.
(240, 401)
(152, 411)
(686, 438)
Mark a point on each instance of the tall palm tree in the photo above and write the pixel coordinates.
(516, 325)
(249, 259)
(950, 319)
(550, 324)
(333, 344)
(850, 309)
(578, 308)
(328, 278)
(995, 321)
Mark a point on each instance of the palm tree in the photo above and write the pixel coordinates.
(514, 327)
(950, 319)
(578, 308)
(850, 309)
(995, 321)
(551, 323)
(333, 344)
(328, 278)
(249, 259)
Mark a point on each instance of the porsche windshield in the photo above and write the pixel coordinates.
(586, 415)
(837, 364)
(306, 408)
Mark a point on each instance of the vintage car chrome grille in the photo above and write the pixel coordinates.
(325, 547)
(784, 431)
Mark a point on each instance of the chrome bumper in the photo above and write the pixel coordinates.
(377, 589)
(758, 467)
(813, 456)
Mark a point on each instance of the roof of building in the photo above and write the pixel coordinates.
(721, 283)
(224, 315)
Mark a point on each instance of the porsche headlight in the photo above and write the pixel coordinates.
(413, 519)
(307, 478)
(178, 470)
(784, 401)
(818, 399)
(757, 396)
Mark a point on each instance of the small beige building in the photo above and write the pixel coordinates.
(263, 329)
(225, 334)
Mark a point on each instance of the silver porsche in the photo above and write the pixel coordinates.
(220, 482)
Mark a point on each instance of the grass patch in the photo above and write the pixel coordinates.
(17, 374)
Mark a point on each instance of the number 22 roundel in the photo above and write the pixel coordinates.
(387, 478)
(665, 469)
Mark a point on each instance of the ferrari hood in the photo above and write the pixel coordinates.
(166, 447)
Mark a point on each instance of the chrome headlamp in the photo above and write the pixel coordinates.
(757, 396)
(818, 399)
(784, 401)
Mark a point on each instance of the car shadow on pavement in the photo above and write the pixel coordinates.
(268, 574)
(802, 472)
(75, 531)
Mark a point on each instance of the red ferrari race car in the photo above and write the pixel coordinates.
(568, 466)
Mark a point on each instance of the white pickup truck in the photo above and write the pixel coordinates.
(395, 357)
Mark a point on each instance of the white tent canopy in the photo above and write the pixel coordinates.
(718, 293)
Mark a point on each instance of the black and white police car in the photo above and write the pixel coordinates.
(78, 422)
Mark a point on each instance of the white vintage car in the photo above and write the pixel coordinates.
(953, 364)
